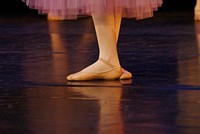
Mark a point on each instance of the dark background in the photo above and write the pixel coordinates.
(17, 6)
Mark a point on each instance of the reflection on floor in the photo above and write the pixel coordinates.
(189, 63)
(163, 53)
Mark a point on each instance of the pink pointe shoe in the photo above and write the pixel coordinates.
(111, 74)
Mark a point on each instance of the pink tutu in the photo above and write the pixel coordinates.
(70, 9)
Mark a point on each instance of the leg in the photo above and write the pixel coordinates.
(105, 30)
(108, 65)
(197, 11)
(117, 23)
(118, 19)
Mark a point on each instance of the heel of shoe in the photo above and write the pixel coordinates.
(196, 18)
(125, 75)
(113, 74)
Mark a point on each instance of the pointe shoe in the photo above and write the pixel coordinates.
(110, 74)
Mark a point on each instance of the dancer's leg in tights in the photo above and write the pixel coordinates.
(108, 65)
(118, 20)
(197, 11)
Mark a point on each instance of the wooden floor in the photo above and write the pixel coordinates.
(36, 55)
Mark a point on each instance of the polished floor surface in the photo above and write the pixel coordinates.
(163, 53)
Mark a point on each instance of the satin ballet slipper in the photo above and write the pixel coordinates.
(196, 18)
(110, 74)
(125, 75)
(99, 83)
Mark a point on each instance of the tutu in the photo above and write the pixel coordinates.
(70, 9)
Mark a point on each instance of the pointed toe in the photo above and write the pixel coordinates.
(69, 77)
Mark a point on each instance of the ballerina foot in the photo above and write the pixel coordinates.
(111, 73)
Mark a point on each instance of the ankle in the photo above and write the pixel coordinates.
(111, 62)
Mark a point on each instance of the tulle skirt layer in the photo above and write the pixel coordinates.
(70, 9)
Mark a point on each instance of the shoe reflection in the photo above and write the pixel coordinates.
(109, 99)
(101, 83)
